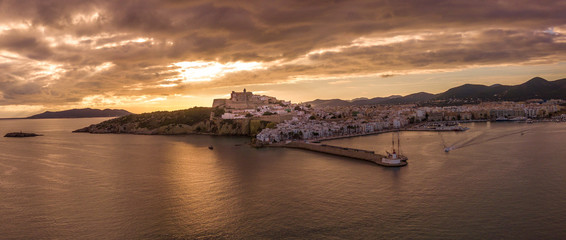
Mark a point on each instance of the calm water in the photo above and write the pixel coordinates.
(499, 184)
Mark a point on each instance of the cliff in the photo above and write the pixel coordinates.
(189, 121)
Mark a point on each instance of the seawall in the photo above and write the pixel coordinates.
(344, 152)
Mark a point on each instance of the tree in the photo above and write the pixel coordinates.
(218, 111)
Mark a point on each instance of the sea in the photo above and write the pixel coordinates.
(499, 181)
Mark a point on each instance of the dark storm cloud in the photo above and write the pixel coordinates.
(25, 44)
(435, 52)
(139, 41)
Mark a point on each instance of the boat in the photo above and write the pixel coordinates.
(529, 121)
(210, 147)
(395, 157)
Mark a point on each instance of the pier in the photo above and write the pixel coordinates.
(360, 154)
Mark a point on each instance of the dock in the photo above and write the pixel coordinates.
(360, 154)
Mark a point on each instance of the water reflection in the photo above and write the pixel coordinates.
(69, 186)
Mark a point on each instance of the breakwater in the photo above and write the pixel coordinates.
(360, 154)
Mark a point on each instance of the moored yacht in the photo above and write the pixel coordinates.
(395, 158)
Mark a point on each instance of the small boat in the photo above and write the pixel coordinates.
(210, 147)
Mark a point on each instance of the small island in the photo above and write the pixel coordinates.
(21, 134)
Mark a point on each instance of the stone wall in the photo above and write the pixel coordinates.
(340, 151)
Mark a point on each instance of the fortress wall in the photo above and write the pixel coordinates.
(219, 102)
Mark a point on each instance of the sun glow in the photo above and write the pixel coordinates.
(103, 67)
(201, 71)
(54, 71)
(125, 42)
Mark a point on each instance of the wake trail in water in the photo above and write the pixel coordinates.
(479, 139)
(442, 138)
(474, 142)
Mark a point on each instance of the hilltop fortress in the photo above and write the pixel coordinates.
(244, 100)
(242, 105)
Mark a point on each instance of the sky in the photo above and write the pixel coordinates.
(150, 55)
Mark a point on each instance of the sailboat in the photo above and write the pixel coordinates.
(394, 157)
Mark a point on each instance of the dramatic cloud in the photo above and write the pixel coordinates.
(74, 52)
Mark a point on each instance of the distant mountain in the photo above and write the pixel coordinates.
(474, 91)
(359, 99)
(411, 98)
(330, 102)
(391, 100)
(375, 101)
(82, 113)
(536, 88)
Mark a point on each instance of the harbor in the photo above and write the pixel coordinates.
(393, 159)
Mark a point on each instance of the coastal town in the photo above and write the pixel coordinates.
(299, 121)
(272, 122)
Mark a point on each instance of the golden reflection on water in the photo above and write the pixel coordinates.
(199, 186)
(71, 186)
